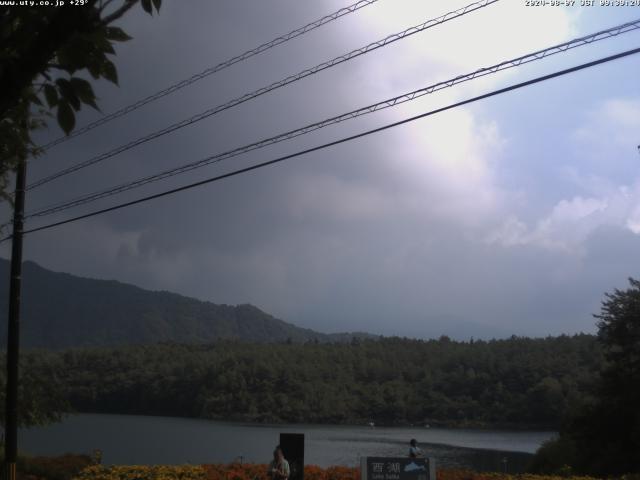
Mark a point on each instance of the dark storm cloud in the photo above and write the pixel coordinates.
(387, 235)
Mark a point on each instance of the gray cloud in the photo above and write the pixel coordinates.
(387, 234)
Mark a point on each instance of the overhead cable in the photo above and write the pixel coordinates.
(261, 91)
(211, 70)
(391, 102)
(335, 142)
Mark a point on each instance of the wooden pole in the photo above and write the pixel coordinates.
(13, 334)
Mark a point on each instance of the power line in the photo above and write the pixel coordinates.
(538, 55)
(281, 83)
(211, 70)
(337, 142)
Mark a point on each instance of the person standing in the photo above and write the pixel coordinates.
(414, 450)
(279, 467)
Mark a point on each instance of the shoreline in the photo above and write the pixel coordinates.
(162, 440)
(435, 425)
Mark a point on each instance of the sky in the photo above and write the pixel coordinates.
(512, 215)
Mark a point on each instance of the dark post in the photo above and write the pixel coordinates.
(292, 445)
(13, 334)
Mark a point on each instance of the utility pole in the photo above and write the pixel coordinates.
(13, 334)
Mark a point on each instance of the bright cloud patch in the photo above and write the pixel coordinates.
(450, 161)
(605, 144)
(497, 32)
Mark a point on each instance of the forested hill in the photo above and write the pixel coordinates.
(514, 382)
(61, 310)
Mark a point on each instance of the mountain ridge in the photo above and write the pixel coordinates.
(61, 310)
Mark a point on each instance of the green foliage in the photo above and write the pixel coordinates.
(608, 434)
(42, 69)
(40, 394)
(605, 433)
(64, 467)
(66, 118)
(554, 457)
(388, 381)
(519, 381)
(619, 332)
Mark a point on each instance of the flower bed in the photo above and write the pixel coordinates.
(313, 472)
(250, 471)
(451, 474)
(142, 472)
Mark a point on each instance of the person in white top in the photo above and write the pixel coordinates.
(279, 467)
(414, 450)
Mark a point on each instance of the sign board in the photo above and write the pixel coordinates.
(292, 445)
(397, 468)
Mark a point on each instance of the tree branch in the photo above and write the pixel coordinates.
(119, 12)
(104, 5)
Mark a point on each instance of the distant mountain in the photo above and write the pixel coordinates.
(60, 310)
(454, 327)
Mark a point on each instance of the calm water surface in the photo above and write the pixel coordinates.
(129, 439)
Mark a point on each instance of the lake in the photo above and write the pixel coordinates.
(130, 439)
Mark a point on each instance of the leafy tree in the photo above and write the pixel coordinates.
(611, 437)
(619, 332)
(41, 394)
(554, 456)
(44, 53)
(603, 437)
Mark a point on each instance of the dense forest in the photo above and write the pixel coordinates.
(514, 382)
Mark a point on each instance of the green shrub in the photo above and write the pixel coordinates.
(554, 457)
(63, 467)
